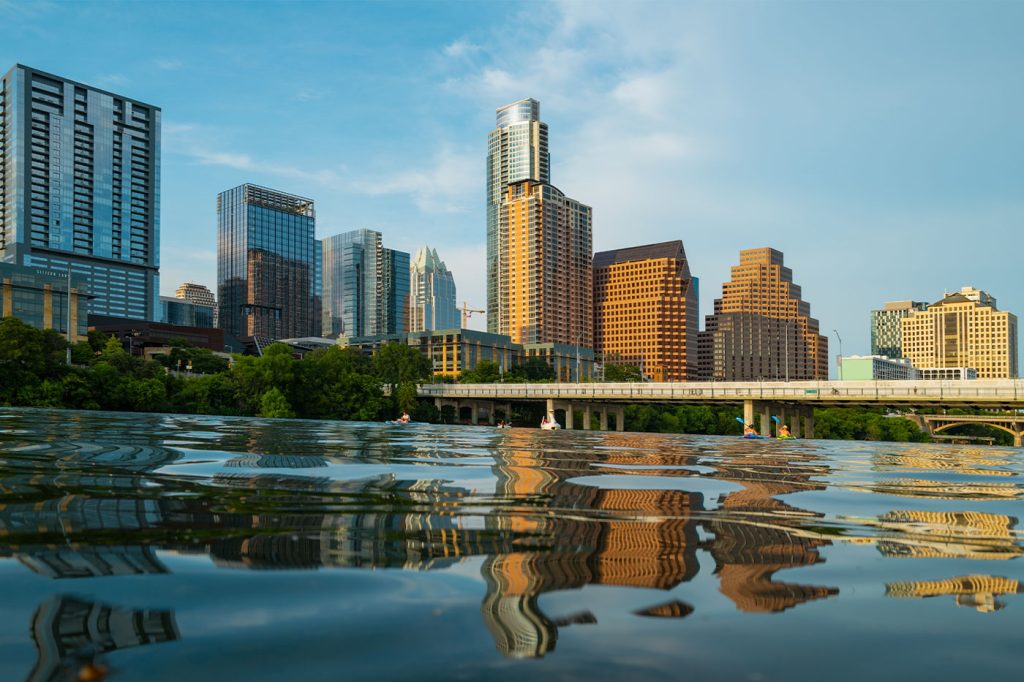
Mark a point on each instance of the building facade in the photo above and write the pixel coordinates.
(947, 373)
(887, 327)
(546, 288)
(40, 298)
(645, 310)
(761, 328)
(517, 150)
(394, 292)
(203, 300)
(876, 368)
(964, 329)
(365, 286)
(80, 187)
(266, 268)
(432, 302)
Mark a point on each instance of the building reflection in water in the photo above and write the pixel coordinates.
(978, 592)
(71, 634)
(546, 527)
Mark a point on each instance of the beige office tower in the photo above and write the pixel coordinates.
(545, 288)
(964, 329)
(761, 328)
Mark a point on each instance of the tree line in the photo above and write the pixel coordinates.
(334, 383)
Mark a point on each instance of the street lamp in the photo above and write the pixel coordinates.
(840, 362)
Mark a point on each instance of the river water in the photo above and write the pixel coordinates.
(170, 547)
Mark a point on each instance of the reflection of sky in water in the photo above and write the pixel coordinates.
(215, 548)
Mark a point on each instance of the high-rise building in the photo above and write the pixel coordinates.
(887, 325)
(266, 269)
(80, 188)
(432, 303)
(205, 310)
(394, 280)
(965, 329)
(645, 310)
(365, 286)
(761, 327)
(546, 287)
(517, 149)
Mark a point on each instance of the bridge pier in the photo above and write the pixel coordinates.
(748, 411)
(795, 417)
(586, 416)
(604, 418)
(766, 419)
(620, 418)
(569, 416)
(809, 422)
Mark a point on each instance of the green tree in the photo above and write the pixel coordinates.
(533, 370)
(339, 383)
(622, 373)
(485, 372)
(273, 403)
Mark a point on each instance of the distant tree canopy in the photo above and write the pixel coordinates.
(622, 373)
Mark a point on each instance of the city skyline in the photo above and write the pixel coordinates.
(865, 153)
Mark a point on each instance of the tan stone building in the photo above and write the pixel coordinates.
(645, 310)
(762, 328)
(964, 329)
(545, 283)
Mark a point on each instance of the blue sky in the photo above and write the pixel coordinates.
(878, 145)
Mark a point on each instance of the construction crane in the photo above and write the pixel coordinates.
(468, 312)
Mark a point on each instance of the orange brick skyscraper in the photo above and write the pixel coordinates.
(645, 310)
(761, 327)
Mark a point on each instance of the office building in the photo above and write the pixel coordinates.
(963, 330)
(517, 150)
(39, 297)
(432, 303)
(365, 286)
(266, 266)
(546, 289)
(887, 327)
(645, 310)
(80, 187)
(762, 328)
(947, 373)
(202, 298)
(394, 292)
(875, 368)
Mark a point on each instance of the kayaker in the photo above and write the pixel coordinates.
(748, 430)
(405, 418)
(784, 431)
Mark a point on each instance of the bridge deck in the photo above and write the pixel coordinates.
(1004, 393)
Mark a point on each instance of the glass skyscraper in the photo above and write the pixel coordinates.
(365, 286)
(517, 149)
(886, 327)
(266, 264)
(80, 187)
(432, 303)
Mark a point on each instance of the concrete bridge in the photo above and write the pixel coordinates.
(1012, 424)
(792, 401)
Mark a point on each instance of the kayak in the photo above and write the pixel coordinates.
(396, 421)
(756, 437)
(786, 438)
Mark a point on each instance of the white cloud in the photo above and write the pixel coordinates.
(460, 48)
(170, 64)
(440, 187)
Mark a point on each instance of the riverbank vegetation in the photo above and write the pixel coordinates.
(327, 384)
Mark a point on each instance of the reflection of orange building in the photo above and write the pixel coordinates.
(645, 310)
(545, 280)
(976, 591)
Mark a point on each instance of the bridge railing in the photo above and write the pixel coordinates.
(996, 390)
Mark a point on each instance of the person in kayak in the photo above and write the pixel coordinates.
(748, 430)
(405, 418)
(784, 431)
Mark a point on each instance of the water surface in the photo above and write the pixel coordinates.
(169, 547)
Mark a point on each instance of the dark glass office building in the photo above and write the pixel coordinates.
(394, 291)
(365, 286)
(266, 264)
(80, 185)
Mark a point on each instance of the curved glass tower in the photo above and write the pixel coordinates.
(517, 149)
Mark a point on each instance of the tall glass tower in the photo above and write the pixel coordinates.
(80, 188)
(365, 286)
(517, 149)
(266, 263)
(432, 303)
